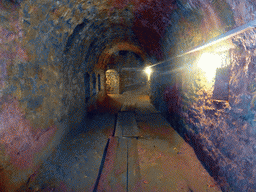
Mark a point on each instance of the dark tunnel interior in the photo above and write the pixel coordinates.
(128, 95)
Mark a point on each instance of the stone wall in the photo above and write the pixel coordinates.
(46, 49)
(222, 132)
(51, 54)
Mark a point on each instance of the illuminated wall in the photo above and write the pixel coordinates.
(216, 116)
(112, 82)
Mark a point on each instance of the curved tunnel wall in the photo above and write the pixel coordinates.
(47, 47)
(222, 132)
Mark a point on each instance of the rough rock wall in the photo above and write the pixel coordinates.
(52, 51)
(221, 132)
(43, 62)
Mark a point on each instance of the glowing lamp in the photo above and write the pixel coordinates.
(148, 71)
(209, 63)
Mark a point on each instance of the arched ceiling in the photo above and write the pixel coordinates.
(150, 21)
(143, 24)
(106, 55)
(135, 26)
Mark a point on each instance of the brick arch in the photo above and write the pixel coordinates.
(105, 57)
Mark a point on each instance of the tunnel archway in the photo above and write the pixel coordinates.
(129, 61)
(109, 53)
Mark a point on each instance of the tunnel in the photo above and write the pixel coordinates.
(132, 95)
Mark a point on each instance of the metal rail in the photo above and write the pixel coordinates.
(223, 37)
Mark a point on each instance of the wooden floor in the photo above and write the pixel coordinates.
(147, 154)
(129, 146)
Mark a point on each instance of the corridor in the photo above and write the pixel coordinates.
(129, 148)
(127, 95)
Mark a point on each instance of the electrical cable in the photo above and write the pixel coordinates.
(225, 36)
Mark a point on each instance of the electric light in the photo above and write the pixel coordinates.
(148, 70)
(209, 62)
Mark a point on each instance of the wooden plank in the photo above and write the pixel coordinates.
(126, 125)
(114, 174)
(134, 177)
(118, 131)
(156, 126)
(119, 175)
(153, 162)
(105, 177)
